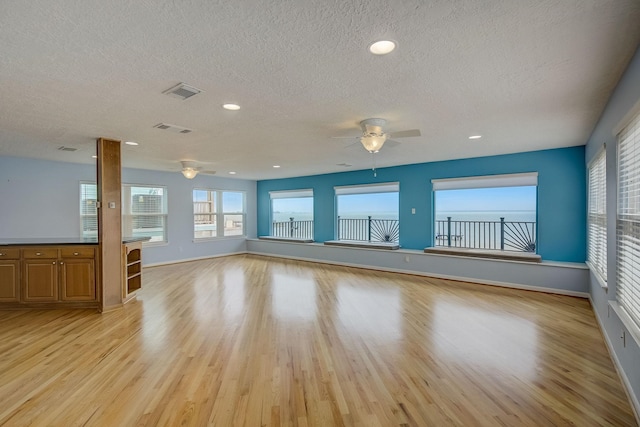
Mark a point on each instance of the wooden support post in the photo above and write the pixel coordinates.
(110, 223)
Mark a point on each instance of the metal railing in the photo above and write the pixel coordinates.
(293, 229)
(369, 229)
(498, 235)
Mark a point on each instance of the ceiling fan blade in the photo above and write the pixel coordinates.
(345, 137)
(390, 143)
(406, 133)
(208, 172)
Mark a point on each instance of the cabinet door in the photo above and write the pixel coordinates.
(40, 280)
(9, 281)
(78, 279)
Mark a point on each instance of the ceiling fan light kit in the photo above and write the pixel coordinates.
(373, 142)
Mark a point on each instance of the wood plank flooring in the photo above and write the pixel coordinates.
(257, 341)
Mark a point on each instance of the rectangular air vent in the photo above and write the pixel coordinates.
(173, 128)
(63, 148)
(182, 91)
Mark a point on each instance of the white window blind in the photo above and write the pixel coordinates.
(597, 216)
(291, 194)
(628, 221)
(389, 187)
(528, 179)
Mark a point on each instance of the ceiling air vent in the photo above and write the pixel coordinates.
(173, 128)
(63, 148)
(182, 91)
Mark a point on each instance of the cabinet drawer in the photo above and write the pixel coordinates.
(9, 253)
(77, 252)
(35, 253)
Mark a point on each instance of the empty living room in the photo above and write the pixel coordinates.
(366, 213)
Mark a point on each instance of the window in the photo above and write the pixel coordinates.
(368, 212)
(496, 212)
(628, 221)
(144, 212)
(88, 209)
(597, 217)
(212, 208)
(292, 214)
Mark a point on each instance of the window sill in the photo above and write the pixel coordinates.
(286, 239)
(217, 239)
(485, 253)
(362, 244)
(601, 281)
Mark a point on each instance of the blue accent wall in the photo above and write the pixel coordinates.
(561, 197)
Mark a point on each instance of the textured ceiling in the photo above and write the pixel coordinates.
(527, 75)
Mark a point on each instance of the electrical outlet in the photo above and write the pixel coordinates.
(413, 211)
(623, 336)
(406, 258)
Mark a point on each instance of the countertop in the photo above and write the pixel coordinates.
(19, 241)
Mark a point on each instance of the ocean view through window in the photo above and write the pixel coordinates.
(500, 216)
(292, 214)
(368, 213)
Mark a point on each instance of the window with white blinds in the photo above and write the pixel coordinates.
(597, 216)
(628, 224)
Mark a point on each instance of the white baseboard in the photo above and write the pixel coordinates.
(635, 404)
(178, 261)
(436, 276)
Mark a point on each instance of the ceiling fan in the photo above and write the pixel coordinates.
(190, 169)
(373, 135)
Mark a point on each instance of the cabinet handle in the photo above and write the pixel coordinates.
(38, 253)
(76, 253)
(54, 263)
(60, 262)
(1, 254)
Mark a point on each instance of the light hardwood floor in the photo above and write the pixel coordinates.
(257, 341)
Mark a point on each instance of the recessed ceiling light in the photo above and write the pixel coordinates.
(94, 157)
(131, 143)
(232, 173)
(475, 137)
(276, 166)
(382, 47)
(232, 107)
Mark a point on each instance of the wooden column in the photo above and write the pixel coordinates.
(110, 223)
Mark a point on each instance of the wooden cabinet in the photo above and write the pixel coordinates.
(48, 276)
(9, 275)
(77, 274)
(40, 274)
(132, 275)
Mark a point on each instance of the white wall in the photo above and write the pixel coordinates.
(42, 199)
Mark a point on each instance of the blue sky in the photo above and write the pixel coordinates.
(487, 199)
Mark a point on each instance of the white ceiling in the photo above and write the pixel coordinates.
(527, 75)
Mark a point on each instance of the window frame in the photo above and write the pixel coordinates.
(597, 216)
(524, 179)
(303, 193)
(383, 226)
(126, 203)
(220, 213)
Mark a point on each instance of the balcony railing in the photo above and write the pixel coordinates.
(502, 235)
(369, 229)
(293, 229)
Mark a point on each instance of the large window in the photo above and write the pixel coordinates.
(597, 217)
(292, 214)
(368, 212)
(628, 224)
(144, 211)
(496, 212)
(218, 213)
